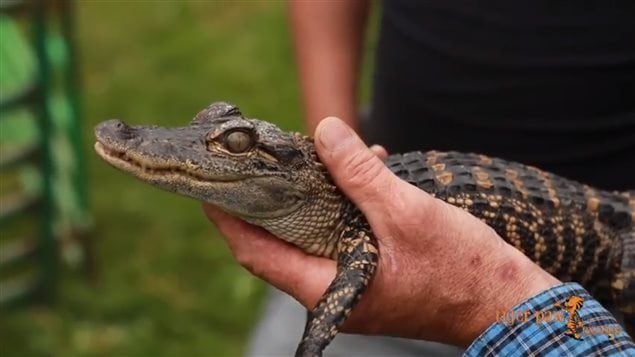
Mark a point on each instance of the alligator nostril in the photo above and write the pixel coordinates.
(114, 129)
(117, 124)
(112, 124)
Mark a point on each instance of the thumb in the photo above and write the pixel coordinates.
(356, 169)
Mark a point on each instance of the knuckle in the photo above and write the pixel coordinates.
(253, 265)
(363, 169)
(245, 259)
(294, 288)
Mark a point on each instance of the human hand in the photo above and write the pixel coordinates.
(442, 274)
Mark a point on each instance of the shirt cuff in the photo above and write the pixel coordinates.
(563, 320)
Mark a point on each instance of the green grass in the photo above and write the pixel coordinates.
(167, 285)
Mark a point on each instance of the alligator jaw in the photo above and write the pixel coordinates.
(219, 190)
(150, 170)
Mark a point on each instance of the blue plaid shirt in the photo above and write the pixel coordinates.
(545, 326)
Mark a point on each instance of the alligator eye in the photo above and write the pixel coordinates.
(238, 142)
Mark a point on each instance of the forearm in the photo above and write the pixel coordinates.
(328, 39)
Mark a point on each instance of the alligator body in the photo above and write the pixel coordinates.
(271, 178)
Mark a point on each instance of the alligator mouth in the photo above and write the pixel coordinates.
(150, 169)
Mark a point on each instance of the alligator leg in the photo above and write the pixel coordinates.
(356, 265)
(623, 282)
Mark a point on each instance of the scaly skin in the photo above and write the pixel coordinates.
(274, 179)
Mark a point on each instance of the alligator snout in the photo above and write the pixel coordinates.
(114, 130)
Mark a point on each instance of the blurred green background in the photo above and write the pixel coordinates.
(166, 284)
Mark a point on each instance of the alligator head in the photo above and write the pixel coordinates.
(247, 167)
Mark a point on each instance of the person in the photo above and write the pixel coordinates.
(543, 83)
(443, 274)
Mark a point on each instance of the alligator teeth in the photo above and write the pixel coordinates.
(153, 168)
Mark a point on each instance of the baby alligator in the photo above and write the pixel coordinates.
(274, 179)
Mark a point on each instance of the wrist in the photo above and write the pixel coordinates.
(513, 279)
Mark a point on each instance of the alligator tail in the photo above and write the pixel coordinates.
(623, 280)
(623, 265)
(630, 197)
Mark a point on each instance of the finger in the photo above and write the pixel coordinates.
(360, 174)
(379, 151)
(277, 262)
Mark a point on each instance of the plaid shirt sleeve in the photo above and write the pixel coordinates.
(562, 321)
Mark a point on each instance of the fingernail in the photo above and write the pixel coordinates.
(333, 133)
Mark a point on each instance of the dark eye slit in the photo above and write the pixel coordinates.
(220, 120)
